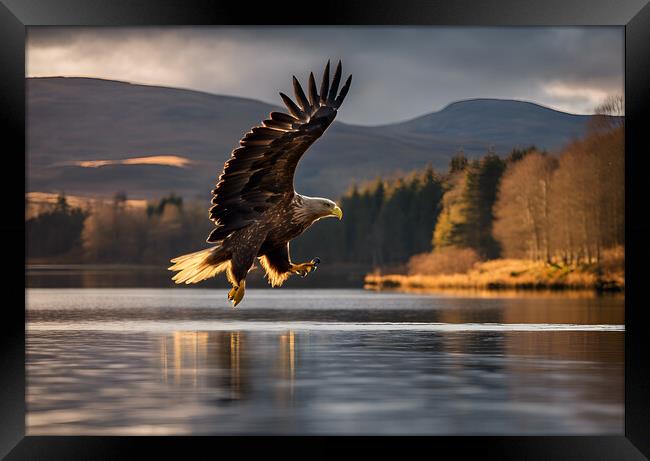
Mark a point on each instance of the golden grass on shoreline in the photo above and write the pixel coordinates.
(508, 274)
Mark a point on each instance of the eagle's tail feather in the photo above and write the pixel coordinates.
(198, 266)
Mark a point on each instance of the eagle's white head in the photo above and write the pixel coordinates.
(315, 208)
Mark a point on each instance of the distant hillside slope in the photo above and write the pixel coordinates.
(71, 120)
(499, 121)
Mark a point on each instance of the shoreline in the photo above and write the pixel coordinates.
(505, 275)
(420, 282)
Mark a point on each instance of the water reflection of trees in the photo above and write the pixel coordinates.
(541, 362)
(538, 309)
(577, 374)
(227, 362)
(205, 360)
(286, 366)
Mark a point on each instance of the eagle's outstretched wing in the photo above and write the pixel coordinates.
(260, 172)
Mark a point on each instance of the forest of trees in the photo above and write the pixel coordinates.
(110, 231)
(528, 204)
(384, 223)
(568, 207)
(466, 217)
(56, 231)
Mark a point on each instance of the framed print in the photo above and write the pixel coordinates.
(396, 219)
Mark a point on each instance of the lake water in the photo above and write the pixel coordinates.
(182, 361)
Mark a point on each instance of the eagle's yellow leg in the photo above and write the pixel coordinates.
(304, 268)
(236, 293)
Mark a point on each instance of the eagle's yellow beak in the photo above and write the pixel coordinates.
(337, 212)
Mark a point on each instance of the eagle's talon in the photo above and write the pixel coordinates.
(236, 293)
(305, 268)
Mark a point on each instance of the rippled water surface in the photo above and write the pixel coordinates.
(181, 361)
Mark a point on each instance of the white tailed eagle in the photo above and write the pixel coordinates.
(255, 208)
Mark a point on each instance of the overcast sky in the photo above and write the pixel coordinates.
(399, 72)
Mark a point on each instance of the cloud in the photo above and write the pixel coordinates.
(573, 95)
(399, 72)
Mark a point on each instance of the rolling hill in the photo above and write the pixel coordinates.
(75, 120)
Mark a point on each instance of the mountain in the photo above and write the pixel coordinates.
(76, 120)
(501, 122)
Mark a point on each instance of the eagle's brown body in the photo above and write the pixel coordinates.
(267, 237)
(255, 208)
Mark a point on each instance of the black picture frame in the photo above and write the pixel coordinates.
(633, 15)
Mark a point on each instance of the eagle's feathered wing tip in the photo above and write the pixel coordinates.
(329, 93)
(325, 83)
(344, 91)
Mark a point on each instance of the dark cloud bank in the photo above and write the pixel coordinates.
(399, 72)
